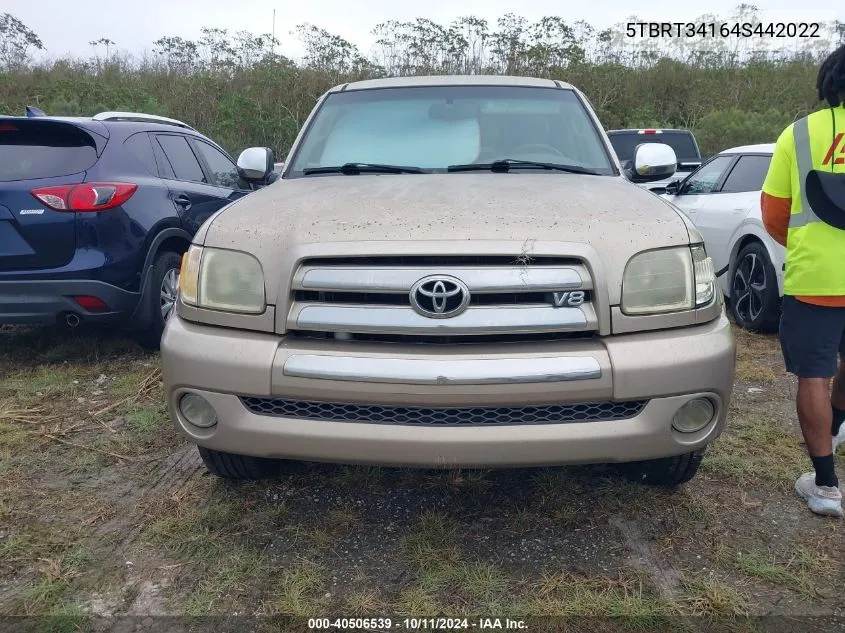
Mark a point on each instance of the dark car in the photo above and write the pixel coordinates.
(95, 214)
(682, 141)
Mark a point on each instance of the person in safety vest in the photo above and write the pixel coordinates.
(812, 323)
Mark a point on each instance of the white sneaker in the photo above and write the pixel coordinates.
(824, 500)
(839, 438)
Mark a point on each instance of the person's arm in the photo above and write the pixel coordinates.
(776, 213)
(776, 197)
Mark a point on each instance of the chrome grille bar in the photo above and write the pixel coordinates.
(417, 371)
(514, 278)
(475, 320)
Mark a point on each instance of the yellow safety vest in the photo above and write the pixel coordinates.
(815, 251)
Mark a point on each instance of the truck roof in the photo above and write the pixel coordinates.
(452, 80)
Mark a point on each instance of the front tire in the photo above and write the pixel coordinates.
(238, 467)
(755, 298)
(666, 471)
(164, 283)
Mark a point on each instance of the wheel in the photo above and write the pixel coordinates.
(164, 284)
(232, 466)
(666, 471)
(755, 298)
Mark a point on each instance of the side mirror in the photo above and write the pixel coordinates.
(652, 161)
(673, 187)
(255, 164)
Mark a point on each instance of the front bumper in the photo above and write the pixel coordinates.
(665, 368)
(47, 301)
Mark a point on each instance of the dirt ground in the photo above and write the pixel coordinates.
(106, 515)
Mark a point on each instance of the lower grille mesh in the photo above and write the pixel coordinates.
(464, 416)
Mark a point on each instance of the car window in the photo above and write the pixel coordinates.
(705, 179)
(181, 157)
(747, 175)
(140, 147)
(432, 127)
(43, 149)
(224, 173)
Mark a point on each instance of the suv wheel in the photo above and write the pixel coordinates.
(666, 471)
(232, 466)
(755, 299)
(164, 283)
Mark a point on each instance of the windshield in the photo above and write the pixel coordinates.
(434, 127)
(682, 142)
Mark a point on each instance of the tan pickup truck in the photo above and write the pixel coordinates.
(450, 272)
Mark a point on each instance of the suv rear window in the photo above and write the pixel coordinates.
(682, 142)
(43, 149)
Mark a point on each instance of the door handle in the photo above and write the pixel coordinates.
(182, 201)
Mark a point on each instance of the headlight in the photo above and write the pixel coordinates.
(219, 279)
(667, 280)
(705, 276)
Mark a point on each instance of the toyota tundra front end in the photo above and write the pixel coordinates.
(451, 272)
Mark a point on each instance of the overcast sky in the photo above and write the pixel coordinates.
(66, 26)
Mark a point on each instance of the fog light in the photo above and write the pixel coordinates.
(694, 415)
(197, 411)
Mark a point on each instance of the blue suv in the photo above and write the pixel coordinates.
(95, 214)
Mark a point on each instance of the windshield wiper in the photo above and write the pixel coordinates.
(353, 169)
(505, 164)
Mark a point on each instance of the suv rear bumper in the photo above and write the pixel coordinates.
(665, 368)
(48, 301)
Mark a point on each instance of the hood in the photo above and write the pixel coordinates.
(444, 213)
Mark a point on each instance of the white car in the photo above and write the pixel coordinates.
(722, 198)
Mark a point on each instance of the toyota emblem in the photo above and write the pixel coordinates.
(439, 296)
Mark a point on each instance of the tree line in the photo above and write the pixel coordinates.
(237, 88)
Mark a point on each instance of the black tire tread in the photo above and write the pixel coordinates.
(238, 467)
(769, 321)
(667, 471)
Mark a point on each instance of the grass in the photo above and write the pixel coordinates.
(365, 603)
(799, 572)
(147, 422)
(417, 602)
(55, 575)
(757, 449)
(455, 480)
(430, 548)
(40, 596)
(481, 581)
(752, 371)
(229, 576)
(297, 591)
(627, 596)
(68, 618)
(66, 531)
(711, 596)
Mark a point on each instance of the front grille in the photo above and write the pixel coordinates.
(395, 299)
(453, 416)
(509, 296)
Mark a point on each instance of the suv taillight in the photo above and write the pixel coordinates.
(88, 196)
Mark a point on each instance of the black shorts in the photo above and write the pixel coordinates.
(811, 338)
